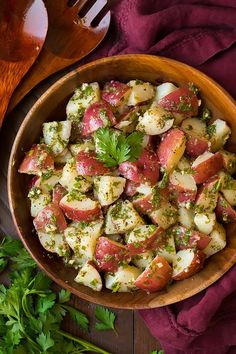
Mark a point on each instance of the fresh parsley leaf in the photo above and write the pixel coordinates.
(23, 260)
(64, 296)
(106, 319)
(113, 147)
(10, 247)
(3, 264)
(45, 303)
(80, 318)
(45, 341)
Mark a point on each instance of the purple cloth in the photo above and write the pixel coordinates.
(201, 33)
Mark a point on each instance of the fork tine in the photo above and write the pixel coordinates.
(93, 12)
(79, 4)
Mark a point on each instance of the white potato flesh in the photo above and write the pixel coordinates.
(205, 222)
(168, 250)
(194, 126)
(48, 180)
(140, 234)
(38, 200)
(155, 121)
(121, 218)
(204, 157)
(229, 191)
(183, 180)
(184, 164)
(140, 92)
(144, 189)
(56, 135)
(218, 240)
(221, 132)
(86, 146)
(164, 90)
(82, 238)
(70, 179)
(122, 280)
(84, 96)
(63, 157)
(108, 188)
(54, 242)
(143, 260)
(165, 216)
(89, 276)
(186, 217)
(182, 261)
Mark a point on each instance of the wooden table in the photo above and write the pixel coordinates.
(133, 336)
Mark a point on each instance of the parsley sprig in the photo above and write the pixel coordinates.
(31, 313)
(106, 319)
(114, 147)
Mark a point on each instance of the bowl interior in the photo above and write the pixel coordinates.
(51, 106)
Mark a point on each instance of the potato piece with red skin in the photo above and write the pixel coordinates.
(171, 149)
(146, 203)
(109, 254)
(187, 263)
(128, 120)
(116, 93)
(206, 166)
(183, 185)
(97, 115)
(131, 188)
(141, 238)
(196, 146)
(145, 169)
(155, 277)
(37, 160)
(224, 211)
(165, 215)
(207, 195)
(58, 193)
(80, 208)
(88, 165)
(182, 100)
(189, 238)
(50, 219)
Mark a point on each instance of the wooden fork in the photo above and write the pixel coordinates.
(71, 36)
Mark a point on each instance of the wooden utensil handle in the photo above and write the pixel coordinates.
(38, 72)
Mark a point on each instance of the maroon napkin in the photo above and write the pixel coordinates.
(201, 33)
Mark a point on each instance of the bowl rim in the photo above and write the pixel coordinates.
(25, 121)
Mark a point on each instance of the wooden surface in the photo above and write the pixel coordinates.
(59, 52)
(52, 106)
(28, 22)
(134, 337)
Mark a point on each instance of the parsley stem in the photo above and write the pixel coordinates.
(84, 343)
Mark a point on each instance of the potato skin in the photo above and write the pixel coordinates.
(156, 276)
(193, 268)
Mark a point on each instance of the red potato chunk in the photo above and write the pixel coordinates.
(128, 121)
(146, 203)
(206, 166)
(156, 276)
(131, 188)
(187, 263)
(88, 165)
(224, 211)
(50, 219)
(97, 115)
(115, 93)
(229, 161)
(38, 160)
(182, 100)
(80, 208)
(58, 193)
(207, 195)
(109, 254)
(145, 169)
(141, 238)
(171, 149)
(196, 146)
(188, 238)
(183, 185)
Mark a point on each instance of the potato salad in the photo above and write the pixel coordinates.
(134, 187)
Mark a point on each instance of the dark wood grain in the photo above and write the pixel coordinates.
(133, 336)
(69, 39)
(28, 22)
(52, 106)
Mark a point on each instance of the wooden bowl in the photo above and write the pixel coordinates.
(51, 106)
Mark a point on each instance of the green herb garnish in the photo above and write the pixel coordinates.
(206, 115)
(106, 319)
(114, 148)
